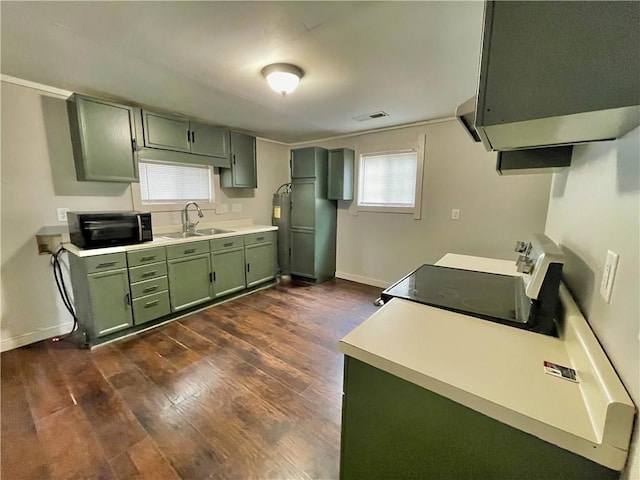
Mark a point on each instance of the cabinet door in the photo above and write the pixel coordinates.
(261, 263)
(189, 281)
(243, 161)
(303, 162)
(110, 301)
(209, 140)
(102, 136)
(166, 132)
(303, 253)
(228, 271)
(340, 181)
(303, 204)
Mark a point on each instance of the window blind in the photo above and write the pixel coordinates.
(174, 183)
(388, 179)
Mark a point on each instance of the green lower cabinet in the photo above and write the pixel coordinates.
(110, 301)
(151, 307)
(261, 264)
(392, 428)
(228, 271)
(189, 280)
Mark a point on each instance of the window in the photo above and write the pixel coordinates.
(174, 183)
(387, 181)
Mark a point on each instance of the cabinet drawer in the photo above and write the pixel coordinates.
(111, 261)
(147, 287)
(145, 272)
(224, 243)
(150, 307)
(261, 237)
(185, 249)
(142, 257)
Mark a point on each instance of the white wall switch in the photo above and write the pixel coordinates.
(455, 214)
(236, 207)
(608, 275)
(62, 214)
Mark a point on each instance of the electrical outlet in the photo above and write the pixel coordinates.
(62, 214)
(455, 214)
(608, 275)
(236, 207)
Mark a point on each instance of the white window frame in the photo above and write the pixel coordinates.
(416, 210)
(136, 195)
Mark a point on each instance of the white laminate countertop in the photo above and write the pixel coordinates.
(497, 370)
(235, 229)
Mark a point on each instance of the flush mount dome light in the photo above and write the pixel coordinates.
(282, 77)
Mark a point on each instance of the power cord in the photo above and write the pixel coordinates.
(64, 293)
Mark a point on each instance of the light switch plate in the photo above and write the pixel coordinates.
(455, 214)
(236, 207)
(608, 275)
(61, 213)
(222, 208)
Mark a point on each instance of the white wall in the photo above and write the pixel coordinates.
(38, 175)
(495, 211)
(594, 207)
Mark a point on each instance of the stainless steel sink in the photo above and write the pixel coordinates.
(212, 231)
(181, 235)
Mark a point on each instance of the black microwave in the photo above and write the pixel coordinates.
(108, 229)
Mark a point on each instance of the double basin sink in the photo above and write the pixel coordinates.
(198, 233)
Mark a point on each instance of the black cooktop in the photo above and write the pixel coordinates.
(485, 295)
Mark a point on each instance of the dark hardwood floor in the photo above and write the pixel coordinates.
(246, 389)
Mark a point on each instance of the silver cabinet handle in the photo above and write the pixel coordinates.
(151, 304)
(149, 274)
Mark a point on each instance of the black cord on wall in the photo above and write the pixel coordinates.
(64, 293)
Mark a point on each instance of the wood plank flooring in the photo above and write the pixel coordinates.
(246, 389)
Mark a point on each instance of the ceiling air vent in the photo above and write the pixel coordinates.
(369, 116)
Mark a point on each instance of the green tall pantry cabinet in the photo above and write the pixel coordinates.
(313, 216)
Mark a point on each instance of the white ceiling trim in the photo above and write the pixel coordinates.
(35, 86)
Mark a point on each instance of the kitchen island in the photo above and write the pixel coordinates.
(431, 393)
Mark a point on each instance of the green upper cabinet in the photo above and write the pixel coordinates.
(308, 162)
(166, 131)
(243, 173)
(179, 134)
(340, 181)
(103, 140)
(209, 140)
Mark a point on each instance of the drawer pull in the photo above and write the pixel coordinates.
(190, 250)
(147, 259)
(230, 244)
(151, 304)
(149, 274)
(259, 239)
(151, 289)
(105, 264)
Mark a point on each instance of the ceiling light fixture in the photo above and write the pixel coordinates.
(282, 77)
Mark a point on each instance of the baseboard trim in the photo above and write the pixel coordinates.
(374, 282)
(33, 337)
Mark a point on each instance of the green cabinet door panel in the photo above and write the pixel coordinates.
(303, 162)
(405, 431)
(303, 254)
(209, 140)
(150, 307)
(261, 263)
(189, 281)
(228, 271)
(243, 173)
(340, 174)
(165, 131)
(102, 136)
(303, 204)
(110, 301)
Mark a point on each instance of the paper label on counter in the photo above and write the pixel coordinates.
(560, 371)
(276, 212)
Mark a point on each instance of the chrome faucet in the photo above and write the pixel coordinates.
(187, 226)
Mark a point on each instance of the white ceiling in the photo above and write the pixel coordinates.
(414, 60)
